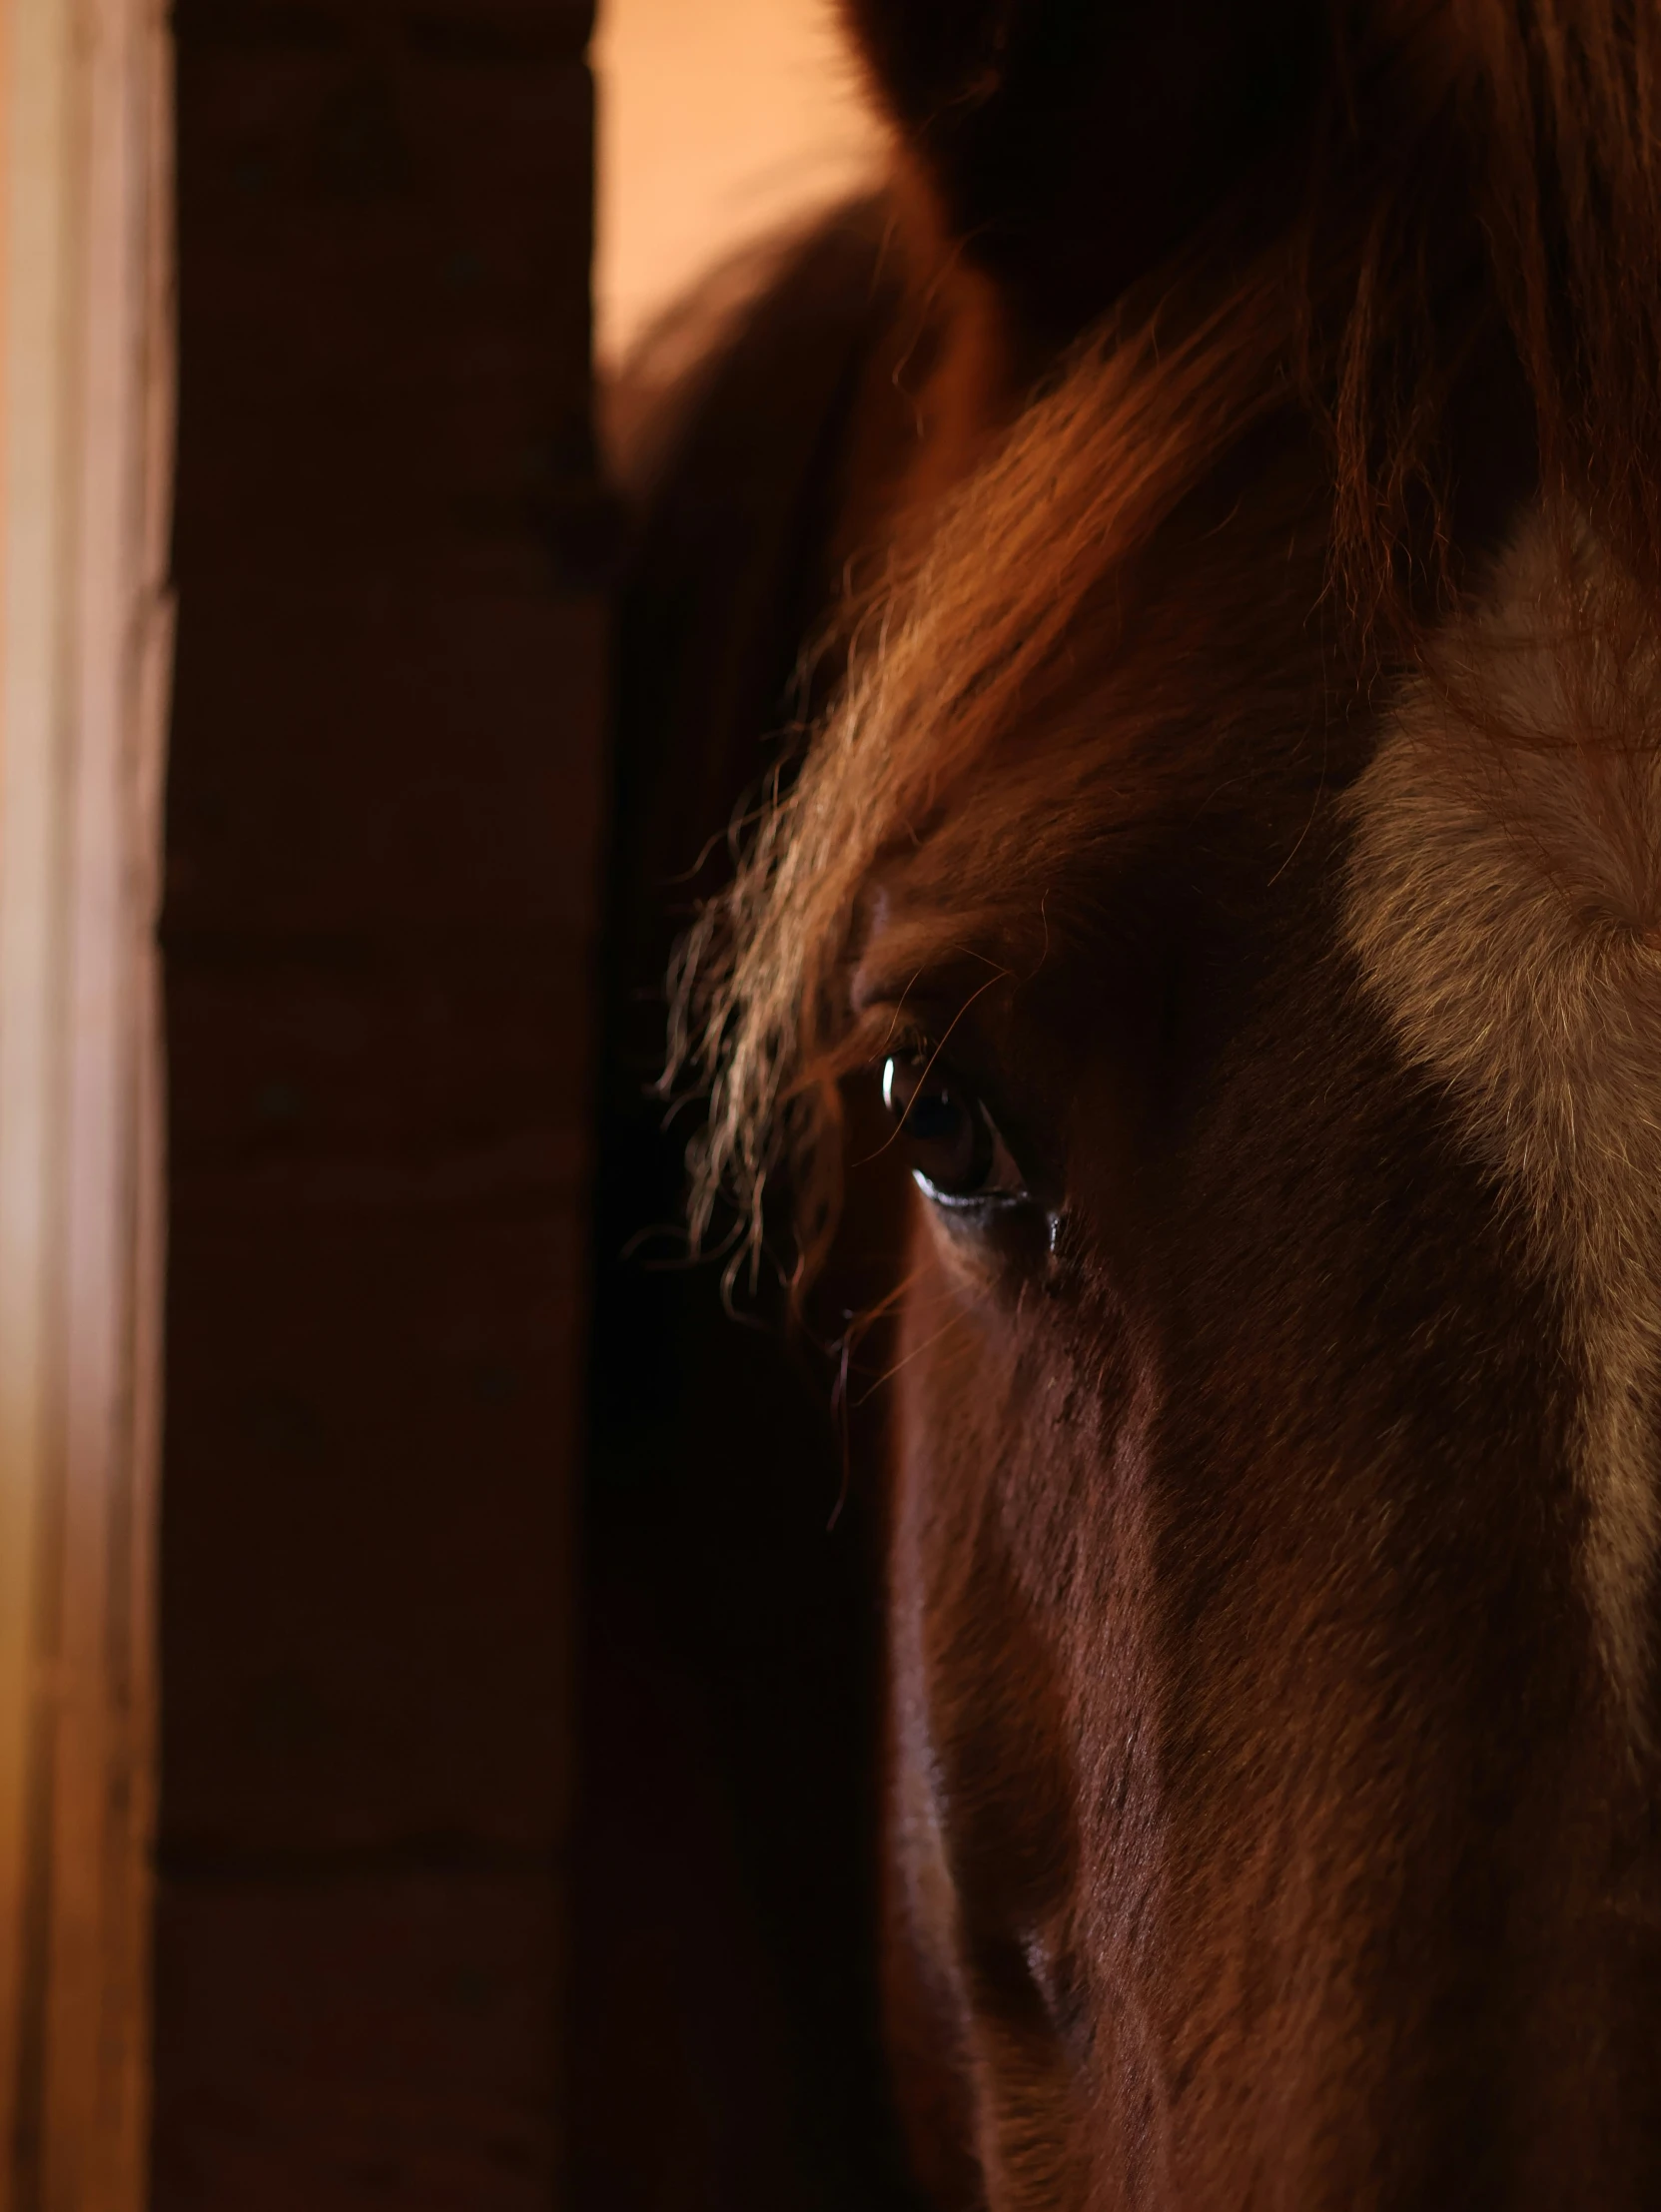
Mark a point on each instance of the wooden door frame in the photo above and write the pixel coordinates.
(86, 398)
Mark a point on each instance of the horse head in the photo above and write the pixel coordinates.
(1236, 854)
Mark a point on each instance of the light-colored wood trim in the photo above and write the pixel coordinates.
(85, 398)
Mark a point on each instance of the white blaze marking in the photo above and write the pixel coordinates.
(1504, 902)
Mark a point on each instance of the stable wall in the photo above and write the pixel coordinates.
(381, 849)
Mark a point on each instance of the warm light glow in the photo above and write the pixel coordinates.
(718, 120)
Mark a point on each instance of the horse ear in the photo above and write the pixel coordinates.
(1071, 145)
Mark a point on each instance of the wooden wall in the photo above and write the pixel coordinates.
(381, 837)
(85, 388)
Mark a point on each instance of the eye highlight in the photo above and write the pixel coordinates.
(957, 1154)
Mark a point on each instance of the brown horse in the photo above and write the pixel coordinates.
(1234, 849)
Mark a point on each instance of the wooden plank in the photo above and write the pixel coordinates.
(88, 386)
(413, 753)
(375, 1985)
(383, 817)
(366, 1531)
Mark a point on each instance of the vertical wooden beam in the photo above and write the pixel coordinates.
(380, 852)
(84, 651)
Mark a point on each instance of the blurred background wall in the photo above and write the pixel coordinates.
(385, 773)
(383, 813)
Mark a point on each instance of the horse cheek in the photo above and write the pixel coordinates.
(926, 2002)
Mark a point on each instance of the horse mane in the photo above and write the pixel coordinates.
(1472, 166)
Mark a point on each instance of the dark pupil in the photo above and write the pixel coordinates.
(942, 1125)
(936, 1117)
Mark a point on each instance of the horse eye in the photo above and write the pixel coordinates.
(956, 1150)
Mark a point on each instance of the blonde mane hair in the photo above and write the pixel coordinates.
(1475, 162)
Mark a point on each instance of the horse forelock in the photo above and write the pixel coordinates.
(943, 758)
(965, 761)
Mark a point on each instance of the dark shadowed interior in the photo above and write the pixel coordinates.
(727, 1825)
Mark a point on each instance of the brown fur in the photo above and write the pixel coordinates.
(1270, 1822)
